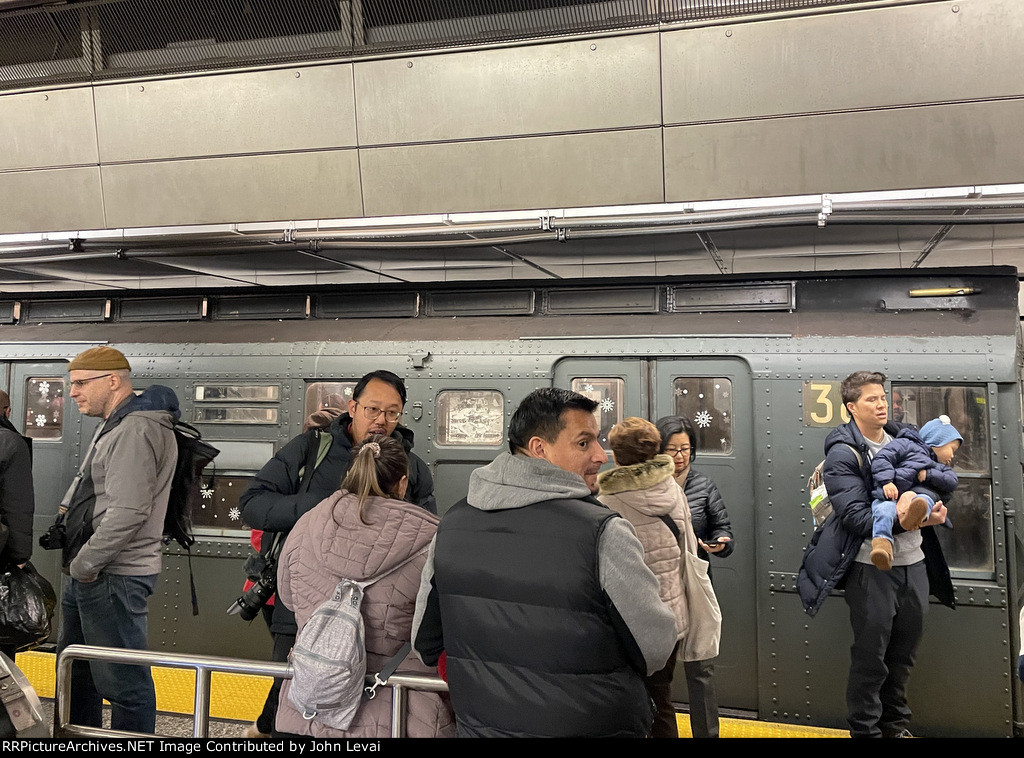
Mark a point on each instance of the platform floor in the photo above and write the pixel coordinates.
(236, 700)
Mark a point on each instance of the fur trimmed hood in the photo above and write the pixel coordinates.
(637, 476)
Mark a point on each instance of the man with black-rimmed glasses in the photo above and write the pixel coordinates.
(283, 490)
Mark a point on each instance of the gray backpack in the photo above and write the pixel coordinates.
(820, 500)
(329, 656)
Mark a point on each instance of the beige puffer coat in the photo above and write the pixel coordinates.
(330, 543)
(643, 493)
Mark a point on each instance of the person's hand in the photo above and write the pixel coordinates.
(936, 517)
(718, 547)
(922, 475)
(890, 491)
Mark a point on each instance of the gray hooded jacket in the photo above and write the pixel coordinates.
(131, 474)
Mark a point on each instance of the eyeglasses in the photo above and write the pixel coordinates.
(79, 383)
(372, 413)
(674, 451)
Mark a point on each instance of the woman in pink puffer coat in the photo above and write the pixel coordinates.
(361, 531)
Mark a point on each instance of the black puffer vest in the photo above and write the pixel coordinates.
(529, 636)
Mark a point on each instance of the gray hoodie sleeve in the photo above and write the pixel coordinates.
(632, 589)
(427, 633)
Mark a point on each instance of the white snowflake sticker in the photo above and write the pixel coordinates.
(348, 391)
(703, 419)
(588, 387)
(44, 388)
(206, 491)
(607, 404)
(40, 420)
(234, 514)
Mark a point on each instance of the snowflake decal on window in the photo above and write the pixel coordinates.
(679, 392)
(234, 514)
(348, 391)
(40, 420)
(588, 387)
(607, 404)
(206, 491)
(44, 388)
(703, 419)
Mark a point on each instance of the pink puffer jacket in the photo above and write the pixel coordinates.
(330, 543)
(643, 493)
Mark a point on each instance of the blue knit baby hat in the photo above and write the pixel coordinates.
(939, 431)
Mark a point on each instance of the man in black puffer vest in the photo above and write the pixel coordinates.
(538, 595)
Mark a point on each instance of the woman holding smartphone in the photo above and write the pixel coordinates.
(714, 536)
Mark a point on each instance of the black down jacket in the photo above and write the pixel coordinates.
(707, 512)
(272, 501)
(833, 548)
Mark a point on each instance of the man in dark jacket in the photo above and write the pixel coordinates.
(887, 608)
(278, 495)
(17, 503)
(538, 595)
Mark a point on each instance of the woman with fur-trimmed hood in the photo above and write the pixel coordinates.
(642, 489)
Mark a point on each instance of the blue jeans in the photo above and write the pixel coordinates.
(884, 514)
(109, 612)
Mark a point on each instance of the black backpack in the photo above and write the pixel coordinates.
(193, 456)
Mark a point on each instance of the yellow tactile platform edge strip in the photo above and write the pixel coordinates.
(238, 697)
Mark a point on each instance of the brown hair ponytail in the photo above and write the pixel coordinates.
(378, 465)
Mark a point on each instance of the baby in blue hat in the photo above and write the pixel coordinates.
(916, 461)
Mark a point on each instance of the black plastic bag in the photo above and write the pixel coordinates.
(27, 601)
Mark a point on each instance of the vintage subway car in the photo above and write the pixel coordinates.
(755, 364)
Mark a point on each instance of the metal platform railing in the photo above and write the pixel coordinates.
(204, 666)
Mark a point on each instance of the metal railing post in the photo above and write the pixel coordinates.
(204, 665)
(201, 707)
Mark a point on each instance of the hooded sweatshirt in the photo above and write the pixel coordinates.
(563, 565)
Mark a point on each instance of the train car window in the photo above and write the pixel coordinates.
(219, 506)
(234, 414)
(250, 393)
(327, 395)
(44, 407)
(470, 417)
(969, 547)
(707, 402)
(607, 392)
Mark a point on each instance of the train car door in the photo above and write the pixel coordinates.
(42, 409)
(716, 395)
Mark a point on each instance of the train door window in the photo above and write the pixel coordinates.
(327, 395)
(707, 402)
(969, 547)
(44, 407)
(608, 393)
(470, 417)
(218, 507)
